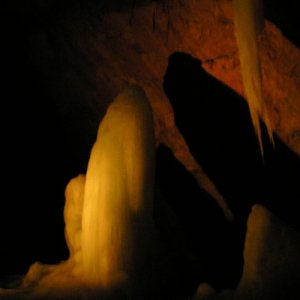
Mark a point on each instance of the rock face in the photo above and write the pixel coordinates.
(93, 55)
(272, 259)
(99, 54)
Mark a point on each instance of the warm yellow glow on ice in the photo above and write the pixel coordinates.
(108, 213)
(74, 195)
(248, 25)
(119, 187)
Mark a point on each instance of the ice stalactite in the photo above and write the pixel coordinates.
(119, 189)
(248, 18)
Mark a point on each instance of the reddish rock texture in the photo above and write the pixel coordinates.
(99, 54)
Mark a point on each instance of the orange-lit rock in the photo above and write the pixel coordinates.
(101, 52)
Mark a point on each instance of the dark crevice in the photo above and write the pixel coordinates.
(285, 15)
(216, 124)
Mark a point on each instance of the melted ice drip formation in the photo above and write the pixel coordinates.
(248, 18)
(118, 190)
(108, 212)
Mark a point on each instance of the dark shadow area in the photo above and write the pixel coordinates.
(38, 158)
(285, 15)
(216, 124)
(216, 243)
(36, 14)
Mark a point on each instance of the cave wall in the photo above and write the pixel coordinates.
(84, 56)
(100, 53)
(89, 55)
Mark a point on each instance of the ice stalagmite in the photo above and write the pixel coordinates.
(74, 195)
(119, 189)
(248, 18)
(108, 212)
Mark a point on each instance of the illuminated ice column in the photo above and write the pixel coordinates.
(119, 189)
(74, 195)
(249, 21)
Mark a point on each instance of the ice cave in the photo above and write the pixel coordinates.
(150, 150)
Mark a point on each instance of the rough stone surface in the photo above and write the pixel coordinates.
(93, 55)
